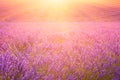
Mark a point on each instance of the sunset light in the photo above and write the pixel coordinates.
(54, 2)
(59, 39)
(57, 10)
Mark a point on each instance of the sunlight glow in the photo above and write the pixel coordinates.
(56, 1)
(55, 10)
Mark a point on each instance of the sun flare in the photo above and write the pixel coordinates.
(57, 1)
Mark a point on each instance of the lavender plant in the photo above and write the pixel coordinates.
(86, 55)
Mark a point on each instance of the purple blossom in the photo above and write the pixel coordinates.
(87, 54)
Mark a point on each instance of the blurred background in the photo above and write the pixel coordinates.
(59, 10)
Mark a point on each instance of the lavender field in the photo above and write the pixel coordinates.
(70, 51)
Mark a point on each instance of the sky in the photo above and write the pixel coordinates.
(59, 10)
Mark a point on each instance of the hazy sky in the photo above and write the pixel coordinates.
(64, 10)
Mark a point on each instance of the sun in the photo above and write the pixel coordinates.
(57, 1)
